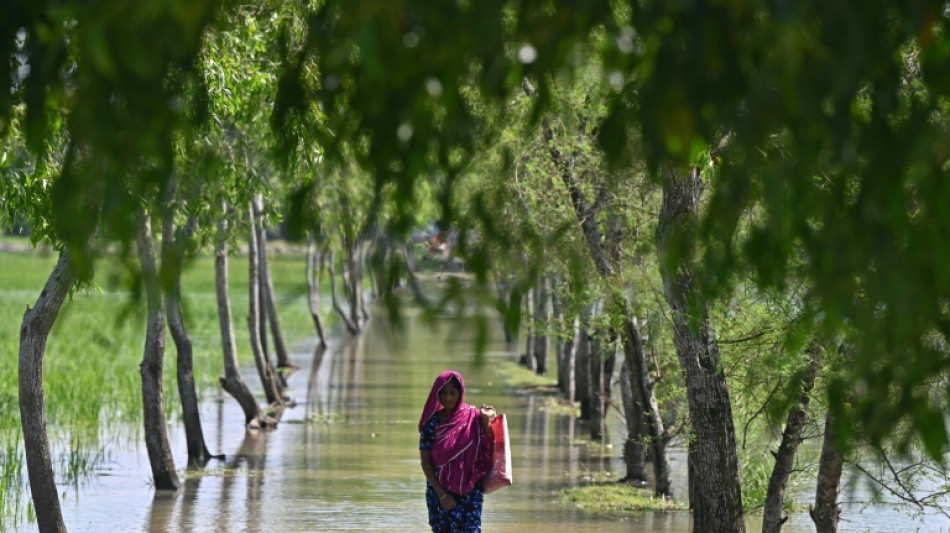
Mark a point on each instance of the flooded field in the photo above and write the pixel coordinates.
(345, 458)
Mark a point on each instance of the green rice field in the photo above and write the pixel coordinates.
(91, 367)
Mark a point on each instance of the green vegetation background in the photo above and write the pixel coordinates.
(91, 368)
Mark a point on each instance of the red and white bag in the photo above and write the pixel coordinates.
(500, 474)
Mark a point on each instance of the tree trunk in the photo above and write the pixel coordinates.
(543, 317)
(597, 393)
(232, 382)
(531, 337)
(633, 448)
(364, 251)
(560, 345)
(504, 299)
(719, 498)
(350, 326)
(634, 354)
(313, 288)
(571, 361)
(582, 365)
(772, 519)
(269, 379)
(172, 260)
(164, 474)
(269, 306)
(825, 513)
(34, 334)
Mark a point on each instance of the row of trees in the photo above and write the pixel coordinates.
(639, 163)
(210, 184)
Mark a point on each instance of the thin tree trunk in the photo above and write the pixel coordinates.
(34, 334)
(269, 306)
(313, 289)
(160, 457)
(645, 402)
(719, 498)
(232, 382)
(825, 513)
(531, 338)
(597, 393)
(269, 379)
(172, 260)
(633, 448)
(571, 363)
(582, 365)
(557, 322)
(772, 519)
(504, 299)
(361, 269)
(543, 314)
(350, 326)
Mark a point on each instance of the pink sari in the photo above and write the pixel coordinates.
(462, 451)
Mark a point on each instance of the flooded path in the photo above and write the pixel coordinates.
(346, 457)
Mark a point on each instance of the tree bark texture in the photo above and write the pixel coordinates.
(719, 498)
(314, 265)
(231, 381)
(269, 378)
(825, 513)
(160, 457)
(772, 519)
(34, 334)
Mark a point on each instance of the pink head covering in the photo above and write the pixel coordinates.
(462, 451)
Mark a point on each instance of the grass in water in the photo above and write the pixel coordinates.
(617, 497)
(514, 375)
(91, 366)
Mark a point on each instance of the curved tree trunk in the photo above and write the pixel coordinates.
(719, 498)
(825, 513)
(269, 379)
(34, 334)
(314, 265)
(173, 250)
(232, 382)
(164, 474)
(772, 519)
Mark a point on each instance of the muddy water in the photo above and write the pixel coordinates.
(345, 458)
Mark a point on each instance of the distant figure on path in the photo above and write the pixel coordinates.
(456, 446)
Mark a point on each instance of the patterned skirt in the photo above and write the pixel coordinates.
(466, 517)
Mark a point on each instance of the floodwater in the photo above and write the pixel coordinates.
(345, 458)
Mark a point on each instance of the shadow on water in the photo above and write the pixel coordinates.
(345, 458)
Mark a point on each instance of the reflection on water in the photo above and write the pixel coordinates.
(345, 458)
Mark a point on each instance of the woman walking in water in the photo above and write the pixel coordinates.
(456, 446)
